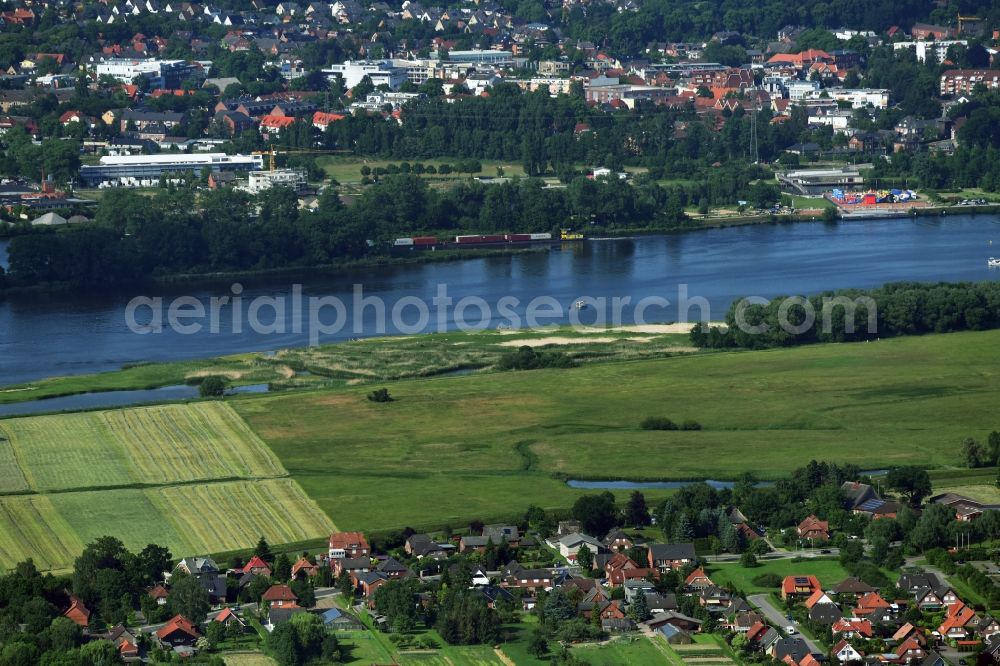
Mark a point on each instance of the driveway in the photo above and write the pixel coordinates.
(777, 617)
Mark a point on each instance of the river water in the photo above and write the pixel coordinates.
(59, 334)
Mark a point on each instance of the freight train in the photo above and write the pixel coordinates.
(480, 240)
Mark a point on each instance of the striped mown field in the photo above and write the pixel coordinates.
(189, 520)
(145, 445)
(31, 526)
(191, 477)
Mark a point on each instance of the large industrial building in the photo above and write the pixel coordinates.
(379, 72)
(160, 73)
(146, 170)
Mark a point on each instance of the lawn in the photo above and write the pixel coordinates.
(363, 647)
(828, 571)
(806, 203)
(987, 494)
(248, 659)
(143, 445)
(625, 651)
(451, 449)
(347, 170)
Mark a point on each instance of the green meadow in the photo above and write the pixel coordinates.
(451, 449)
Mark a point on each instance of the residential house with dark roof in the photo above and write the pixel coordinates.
(853, 587)
(393, 568)
(669, 556)
(508, 534)
(825, 614)
(616, 541)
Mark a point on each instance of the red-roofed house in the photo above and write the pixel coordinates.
(814, 529)
(956, 622)
(845, 652)
(910, 651)
(280, 596)
(869, 603)
(818, 597)
(756, 631)
(801, 60)
(19, 16)
(348, 544)
(852, 628)
(77, 612)
(229, 618)
(908, 631)
(274, 124)
(257, 567)
(160, 593)
(178, 631)
(799, 586)
(304, 567)
(323, 120)
(698, 580)
(128, 651)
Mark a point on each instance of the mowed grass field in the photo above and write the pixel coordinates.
(191, 477)
(827, 570)
(451, 449)
(145, 445)
(191, 519)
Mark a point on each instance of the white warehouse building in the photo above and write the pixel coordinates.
(145, 170)
(161, 73)
(379, 71)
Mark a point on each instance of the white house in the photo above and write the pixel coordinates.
(570, 545)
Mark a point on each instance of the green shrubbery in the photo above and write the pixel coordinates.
(526, 358)
(663, 423)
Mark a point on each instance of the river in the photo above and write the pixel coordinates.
(58, 334)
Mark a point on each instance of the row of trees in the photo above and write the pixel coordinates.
(210, 232)
(901, 308)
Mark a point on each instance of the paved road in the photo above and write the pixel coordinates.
(778, 555)
(777, 617)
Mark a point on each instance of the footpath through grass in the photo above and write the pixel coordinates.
(452, 449)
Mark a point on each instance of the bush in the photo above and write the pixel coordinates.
(213, 386)
(690, 425)
(380, 395)
(658, 423)
(767, 580)
(526, 358)
(748, 560)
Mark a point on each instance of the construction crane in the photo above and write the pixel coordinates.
(273, 152)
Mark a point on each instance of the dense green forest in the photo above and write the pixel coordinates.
(210, 231)
(900, 308)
